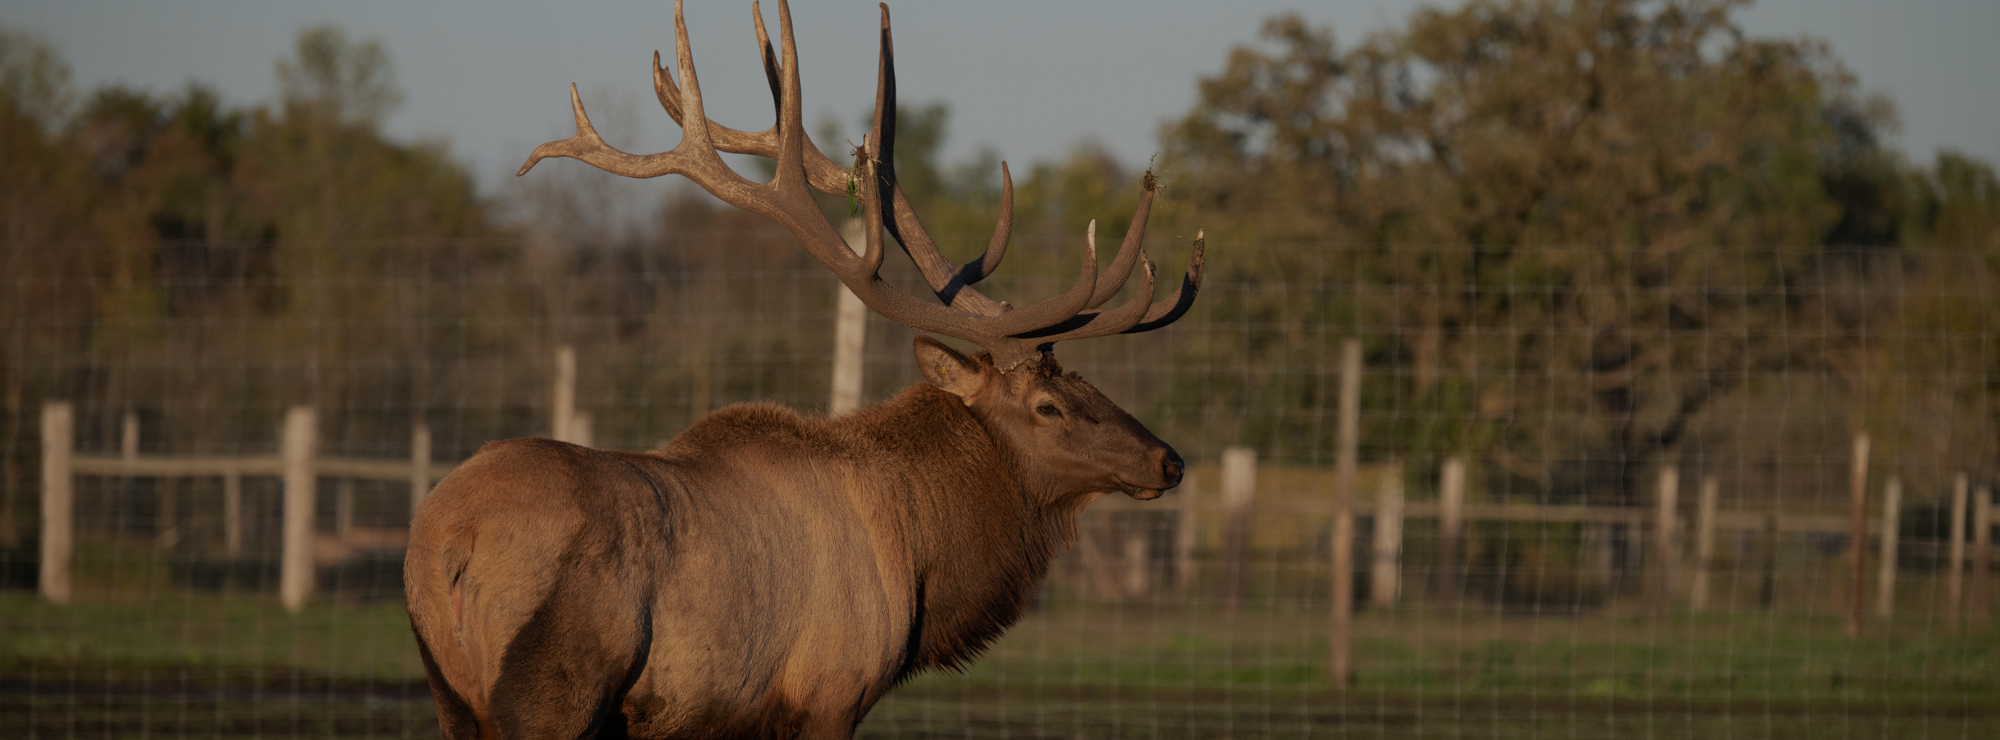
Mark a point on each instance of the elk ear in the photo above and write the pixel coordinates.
(945, 368)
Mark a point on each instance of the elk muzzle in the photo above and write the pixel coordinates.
(1169, 466)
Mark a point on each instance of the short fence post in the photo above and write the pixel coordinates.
(1857, 537)
(1385, 577)
(850, 335)
(1345, 461)
(58, 500)
(232, 513)
(562, 395)
(1185, 538)
(1982, 553)
(1667, 502)
(1954, 584)
(343, 507)
(1704, 545)
(420, 465)
(1767, 592)
(128, 484)
(295, 449)
(1239, 487)
(1892, 521)
(1451, 528)
(1138, 567)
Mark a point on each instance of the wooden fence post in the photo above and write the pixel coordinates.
(1239, 488)
(1704, 545)
(1667, 503)
(1982, 554)
(1857, 537)
(1185, 536)
(1345, 460)
(343, 506)
(1385, 577)
(1767, 591)
(58, 500)
(850, 335)
(1138, 568)
(296, 444)
(232, 513)
(1954, 585)
(562, 392)
(1885, 574)
(420, 465)
(128, 485)
(1451, 528)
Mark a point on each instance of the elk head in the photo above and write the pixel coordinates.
(1054, 418)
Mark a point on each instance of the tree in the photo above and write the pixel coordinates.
(1630, 196)
(352, 82)
(41, 193)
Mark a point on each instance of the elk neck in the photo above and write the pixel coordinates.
(981, 539)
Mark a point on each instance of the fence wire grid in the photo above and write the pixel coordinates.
(1602, 491)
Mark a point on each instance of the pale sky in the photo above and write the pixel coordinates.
(1028, 78)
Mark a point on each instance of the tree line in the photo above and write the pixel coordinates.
(1579, 240)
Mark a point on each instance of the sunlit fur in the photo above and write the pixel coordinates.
(764, 574)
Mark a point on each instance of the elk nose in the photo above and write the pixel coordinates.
(1172, 467)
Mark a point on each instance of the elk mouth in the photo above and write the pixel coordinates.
(1141, 493)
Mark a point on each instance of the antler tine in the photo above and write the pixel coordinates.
(1170, 309)
(1104, 323)
(950, 282)
(700, 163)
(1013, 336)
(694, 126)
(1139, 313)
(825, 176)
(1130, 252)
(764, 53)
(997, 248)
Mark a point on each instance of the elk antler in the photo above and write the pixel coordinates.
(1012, 335)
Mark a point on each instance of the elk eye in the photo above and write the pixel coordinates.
(1049, 410)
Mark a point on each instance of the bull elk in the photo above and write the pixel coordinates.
(765, 573)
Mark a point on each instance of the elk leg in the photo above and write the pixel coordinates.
(566, 671)
(456, 718)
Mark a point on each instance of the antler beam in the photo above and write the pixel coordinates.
(1011, 335)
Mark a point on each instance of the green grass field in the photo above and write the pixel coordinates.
(177, 663)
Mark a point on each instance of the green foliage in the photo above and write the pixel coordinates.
(1639, 188)
(331, 77)
(34, 79)
(203, 219)
(1565, 232)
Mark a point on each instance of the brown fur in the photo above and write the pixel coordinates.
(765, 574)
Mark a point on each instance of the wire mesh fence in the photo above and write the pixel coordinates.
(1650, 530)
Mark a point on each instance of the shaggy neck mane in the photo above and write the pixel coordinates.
(982, 542)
